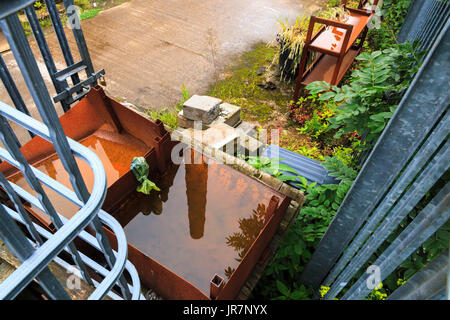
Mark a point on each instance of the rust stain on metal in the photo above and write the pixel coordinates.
(209, 221)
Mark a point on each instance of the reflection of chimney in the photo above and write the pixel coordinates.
(196, 184)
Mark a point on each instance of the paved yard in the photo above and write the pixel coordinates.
(150, 48)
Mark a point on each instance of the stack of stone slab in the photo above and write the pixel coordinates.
(218, 124)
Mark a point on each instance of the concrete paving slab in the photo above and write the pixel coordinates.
(201, 108)
(231, 114)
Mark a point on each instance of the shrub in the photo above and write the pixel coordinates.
(281, 280)
(394, 14)
(367, 103)
(291, 38)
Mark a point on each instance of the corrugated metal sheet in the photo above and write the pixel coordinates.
(311, 169)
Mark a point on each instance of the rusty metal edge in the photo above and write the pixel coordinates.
(236, 163)
(297, 196)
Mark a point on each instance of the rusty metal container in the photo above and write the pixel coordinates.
(204, 232)
(114, 132)
(197, 238)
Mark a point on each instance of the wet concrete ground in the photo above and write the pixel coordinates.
(150, 48)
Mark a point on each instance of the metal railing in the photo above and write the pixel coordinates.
(424, 22)
(31, 249)
(35, 261)
(408, 161)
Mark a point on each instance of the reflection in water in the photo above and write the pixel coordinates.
(180, 237)
(250, 228)
(196, 187)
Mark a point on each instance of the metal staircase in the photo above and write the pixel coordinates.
(33, 245)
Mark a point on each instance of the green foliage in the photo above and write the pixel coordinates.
(277, 169)
(304, 234)
(44, 20)
(367, 103)
(313, 114)
(170, 117)
(323, 201)
(296, 293)
(377, 294)
(186, 95)
(87, 14)
(394, 14)
(83, 4)
(323, 291)
(167, 116)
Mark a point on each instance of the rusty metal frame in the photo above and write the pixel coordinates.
(171, 286)
(82, 120)
(346, 46)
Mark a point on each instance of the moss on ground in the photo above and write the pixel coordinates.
(240, 86)
(267, 108)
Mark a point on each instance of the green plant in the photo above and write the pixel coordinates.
(186, 95)
(394, 14)
(317, 125)
(296, 293)
(323, 291)
(313, 114)
(367, 103)
(282, 275)
(276, 169)
(83, 4)
(88, 14)
(377, 294)
(41, 13)
(292, 37)
(169, 116)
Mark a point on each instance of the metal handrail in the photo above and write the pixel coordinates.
(34, 262)
(30, 268)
